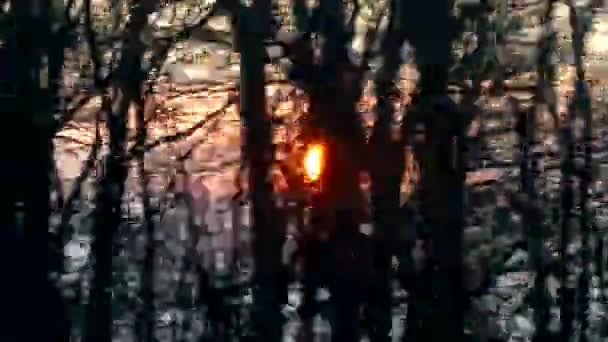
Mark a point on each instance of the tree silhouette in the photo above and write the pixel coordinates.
(30, 48)
(582, 106)
(386, 181)
(253, 26)
(441, 161)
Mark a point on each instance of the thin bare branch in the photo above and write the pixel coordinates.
(91, 41)
(66, 212)
(137, 150)
(73, 140)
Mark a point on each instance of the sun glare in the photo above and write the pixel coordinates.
(313, 162)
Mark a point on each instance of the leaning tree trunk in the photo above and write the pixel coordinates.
(126, 89)
(253, 26)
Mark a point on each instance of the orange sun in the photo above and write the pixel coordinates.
(313, 162)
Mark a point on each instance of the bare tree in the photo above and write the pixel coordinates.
(126, 89)
(33, 297)
(253, 26)
(441, 162)
(386, 181)
(533, 213)
(582, 106)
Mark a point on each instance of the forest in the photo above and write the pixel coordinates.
(303, 170)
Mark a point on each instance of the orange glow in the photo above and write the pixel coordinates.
(313, 162)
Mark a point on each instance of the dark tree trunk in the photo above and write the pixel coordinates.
(430, 26)
(567, 204)
(386, 186)
(59, 40)
(534, 228)
(533, 219)
(585, 180)
(334, 87)
(442, 191)
(109, 198)
(582, 106)
(36, 310)
(147, 317)
(521, 129)
(345, 158)
(268, 236)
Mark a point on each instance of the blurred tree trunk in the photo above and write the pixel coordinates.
(533, 219)
(59, 33)
(124, 92)
(567, 204)
(26, 170)
(442, 207)
(535, 233)
(314, 249)
(387, 165)
(253, 27)
(147, 316)
(582, 107)
(430, 27)
(339, 91)
(334, 87)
